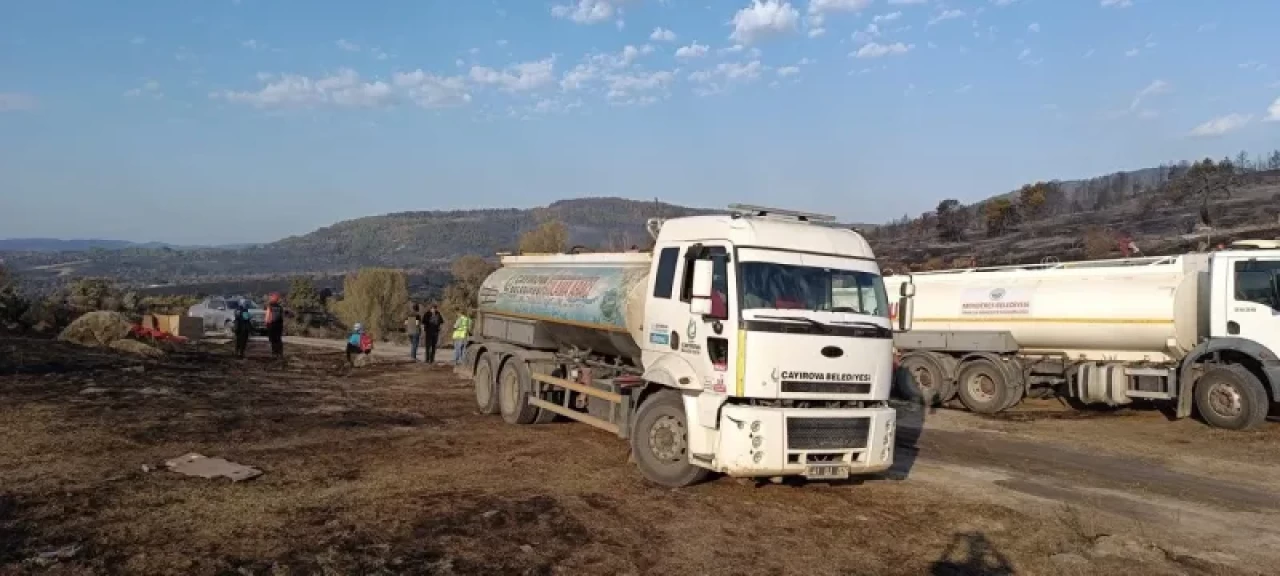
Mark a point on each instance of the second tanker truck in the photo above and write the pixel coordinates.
(1198, 329)
(753, 344)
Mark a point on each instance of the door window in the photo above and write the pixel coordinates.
(1255, 281)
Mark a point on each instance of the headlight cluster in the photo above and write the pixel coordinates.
(756, 442)
(887, 450)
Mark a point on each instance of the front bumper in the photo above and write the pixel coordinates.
(762, 441)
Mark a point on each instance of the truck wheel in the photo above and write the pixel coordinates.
(983, 387)
(922, 378)
(1015, 382)
(513, 393)
(660, 442)
(482, 380)
(1231, 397)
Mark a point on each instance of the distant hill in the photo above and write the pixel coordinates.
(82, 245)
(417, 241)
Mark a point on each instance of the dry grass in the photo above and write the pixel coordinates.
(387, 469)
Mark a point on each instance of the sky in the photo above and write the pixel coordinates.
(229, 121)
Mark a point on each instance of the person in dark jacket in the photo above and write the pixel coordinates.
(275, 325)
(431, 322)
(413, 327)
(241, 326)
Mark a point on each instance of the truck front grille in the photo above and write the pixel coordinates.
(825, 387)
(827, 433)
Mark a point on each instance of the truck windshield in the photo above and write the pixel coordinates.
(783, 286)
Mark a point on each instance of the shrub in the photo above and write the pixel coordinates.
(375, 297)
(552, 237)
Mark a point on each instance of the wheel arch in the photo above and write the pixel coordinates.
(1256, 358)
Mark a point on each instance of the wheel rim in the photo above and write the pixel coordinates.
(981, 387)
(482, 383)
(1225, 400)
(667, 439)
(923, 377)
(509, 390)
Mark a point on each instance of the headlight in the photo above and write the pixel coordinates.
(755, 426)
(756, 442)
(758, 457)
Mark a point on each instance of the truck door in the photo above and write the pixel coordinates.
(1253, 301)
(709, 342)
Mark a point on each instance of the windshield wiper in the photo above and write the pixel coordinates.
(795, 318)
(857, 323)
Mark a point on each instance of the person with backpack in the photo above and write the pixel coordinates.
(358, 343)
(431, 323)
(275, 325)
(241, 326)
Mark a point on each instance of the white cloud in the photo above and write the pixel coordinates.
(788, 71)
(520, 77)
(150, 88)
(1252, 65)
(869, 34)
(1026, 53)
(816, 32)
(636, 88)
(1222, 125)
(907, 2)
(761, 20)
(946, 15)
(1130, 53)
(252, 44)
(1155, 88)
(724, 75)
(431, 91)
(890, 17)
(964, 89)
(595, 65)
(662, 35)
(589, 11)
(14, 101)
(343, 88)
(1034, 27)
(876, 50)
(1004, 2)
(694, 50)
(1273, 111)
(1207, 27)
(348, 45)
(1089, 53)
(1116, 3)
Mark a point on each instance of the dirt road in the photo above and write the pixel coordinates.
(388, 470)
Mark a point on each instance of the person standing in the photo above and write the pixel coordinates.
(413, 327)
(275, 325)
(461, 329)
(431, 323)
(241, 327)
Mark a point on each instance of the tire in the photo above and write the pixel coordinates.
(922, 378)
(485, 387)
(1229, 396)
(1015, 381)
(513, 393)
(983, 386)
(660, 442)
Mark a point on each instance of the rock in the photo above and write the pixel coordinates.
(96, 329)
(137, 369)
(93, 390)
(136, 347)
(161, 391)
(527, 549)
(489, 514)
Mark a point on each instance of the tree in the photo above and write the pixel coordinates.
(461, 294)
(552, 237)
(952, 220)
(1204, 183)
(91, 294)
(1001, 214)
(303, 297)
(1039, 200)
(1273, 162)
(1242, 161)
(13, 305)
(375, 297)
(1097, 243)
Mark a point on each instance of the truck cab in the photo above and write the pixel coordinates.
(776, 330)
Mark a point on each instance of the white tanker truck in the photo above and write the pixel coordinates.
(1197, 327)
(754, 344)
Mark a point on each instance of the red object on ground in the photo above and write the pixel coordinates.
(141, 332)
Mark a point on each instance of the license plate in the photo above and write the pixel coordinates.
(827, 472)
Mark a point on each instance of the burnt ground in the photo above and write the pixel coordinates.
(388, 470)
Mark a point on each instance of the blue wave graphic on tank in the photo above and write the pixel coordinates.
(583, 295)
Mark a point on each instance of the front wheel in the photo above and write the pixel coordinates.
(1231, 397)
(660, 442)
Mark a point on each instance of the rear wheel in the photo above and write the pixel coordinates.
(513, 393)
(983, 386)
(923, 378)
(482, 381)
(1231, 397)
(660, 442)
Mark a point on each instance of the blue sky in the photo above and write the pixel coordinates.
(218, 121)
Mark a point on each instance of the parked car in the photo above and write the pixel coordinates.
(217, 313)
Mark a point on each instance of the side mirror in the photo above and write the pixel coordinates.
(700, 306)
(907, 289)
(702, 278)
(906, 309)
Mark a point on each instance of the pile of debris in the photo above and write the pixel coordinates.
(107, 330)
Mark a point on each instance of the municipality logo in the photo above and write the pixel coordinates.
(692, 331)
